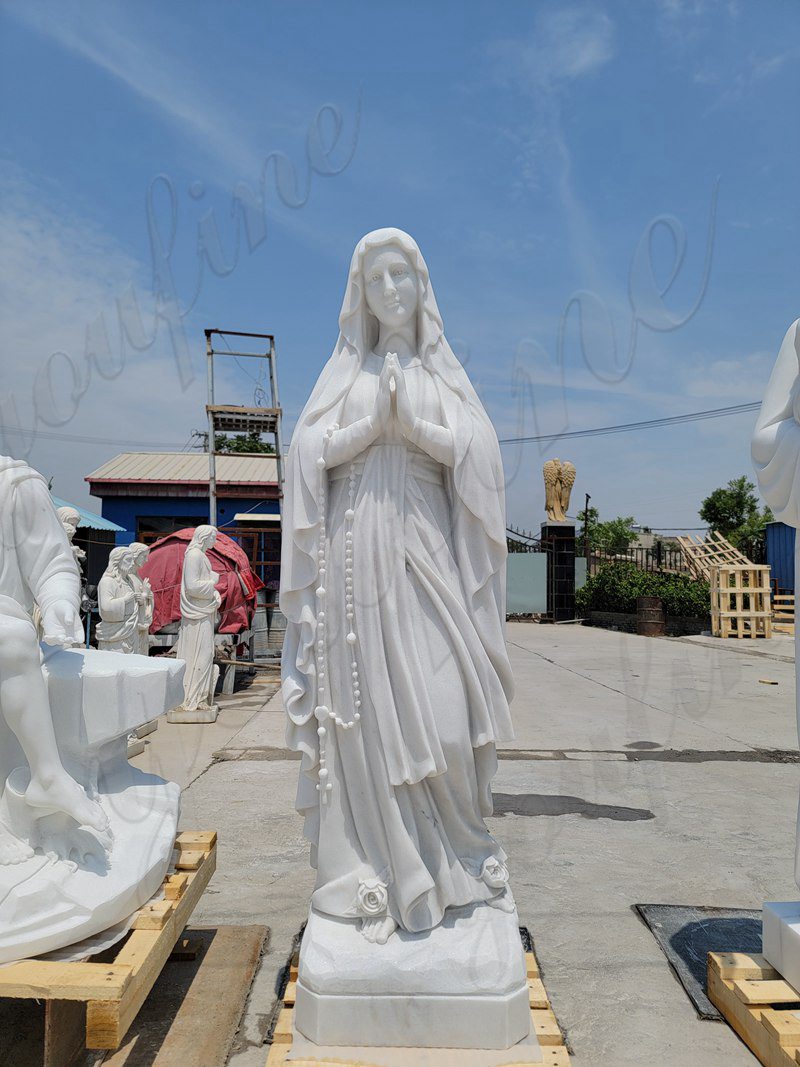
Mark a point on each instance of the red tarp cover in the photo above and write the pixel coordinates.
(237, 586)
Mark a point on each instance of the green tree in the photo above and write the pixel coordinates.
(733, 511)
(614, 535)
(241, 442)
(594, 517)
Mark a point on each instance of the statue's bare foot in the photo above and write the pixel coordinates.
(63, 794)
(61, 839)
(12, 849)
(378, 931)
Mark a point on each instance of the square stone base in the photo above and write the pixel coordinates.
(462, 985)
(781, 939)
(196, 715)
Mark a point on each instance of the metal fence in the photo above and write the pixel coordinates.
(523, 540)
(664, 558)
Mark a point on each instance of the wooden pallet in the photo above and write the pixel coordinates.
(740, 600)
(543, 1020)
(700, 556)
(758, 1004)
(111, 993)
(783, 613)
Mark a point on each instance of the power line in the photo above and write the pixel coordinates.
(626, 427)
(49, 435)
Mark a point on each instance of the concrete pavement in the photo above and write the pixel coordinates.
(644, 770)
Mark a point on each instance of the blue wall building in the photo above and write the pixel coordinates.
(152, 494)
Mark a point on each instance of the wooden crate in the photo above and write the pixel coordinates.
(783, 613)
(740, 600)
(758, 1004)
(543, 1021)
(109, 994)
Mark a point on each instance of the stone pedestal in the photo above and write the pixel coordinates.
(558, 538)
(461, 985)
(781, 938)
(181, 714)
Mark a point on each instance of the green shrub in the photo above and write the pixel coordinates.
(616, 586)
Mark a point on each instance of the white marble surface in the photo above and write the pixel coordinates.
(781, 938)
(396, 678)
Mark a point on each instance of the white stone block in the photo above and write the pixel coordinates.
(461, 985)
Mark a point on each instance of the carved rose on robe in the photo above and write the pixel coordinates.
(494, 873)
(373, 896)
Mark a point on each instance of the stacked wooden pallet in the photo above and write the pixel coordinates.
(760, 1006)
(700, 556)
(783, 613)
(92, 1004)
(543, 1022)
(740, 600)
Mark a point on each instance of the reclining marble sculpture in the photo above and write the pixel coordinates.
(85, 838)
(396, 680)
(776, 457)
(200, 601)
(118, 603)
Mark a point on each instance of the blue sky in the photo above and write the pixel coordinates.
(539, 153)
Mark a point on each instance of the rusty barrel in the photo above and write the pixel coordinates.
(650, 621)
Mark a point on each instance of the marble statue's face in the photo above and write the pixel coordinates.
(390, 284)
(70, 527)
(126, 564)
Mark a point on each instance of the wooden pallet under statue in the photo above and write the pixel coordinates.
(740, 600)
(92, 1004)
(758, 1004)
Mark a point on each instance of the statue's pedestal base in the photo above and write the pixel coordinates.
(462, 985)
(781, 939)
(182, 714)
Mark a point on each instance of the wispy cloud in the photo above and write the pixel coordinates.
(112, 39)
(58, 274)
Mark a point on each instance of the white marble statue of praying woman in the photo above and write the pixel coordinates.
(396, 678)
(118, 604)
(776, 457)
(200, 601)
(145, 598)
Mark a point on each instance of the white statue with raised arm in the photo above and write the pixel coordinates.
(36, 565)
(776, 457)
(396, 681)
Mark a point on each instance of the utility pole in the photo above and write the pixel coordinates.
(586, 528)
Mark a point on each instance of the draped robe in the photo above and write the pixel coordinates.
(776, 457)
(411, 786)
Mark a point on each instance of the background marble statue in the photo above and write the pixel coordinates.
(396, 679)
(559, 478)
(118, 604)
(200, 601)
(80, 848)
(144, 597)
(36, 564)
(69, 518)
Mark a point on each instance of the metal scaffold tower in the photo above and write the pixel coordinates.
(235, 418)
